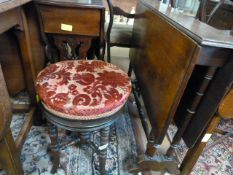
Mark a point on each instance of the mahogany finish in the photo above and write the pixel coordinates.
(83, 44)
(224, 112)
(6, 5)
(84, 19)
(209, 104)
(195, 29)
(74, 3)
(193, 154)
(12, 17)
(170, 67)
(16, 18)
(35, 40)
(5, 107)
(177, 65)
(10, 53)
(10, 149)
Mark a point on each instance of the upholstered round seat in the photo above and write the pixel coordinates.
(83, 89)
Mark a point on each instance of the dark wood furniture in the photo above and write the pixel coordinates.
(224, 112)
(13, 17)
(80, 96)
(182, 72)
(10, 52)
(119, 35)
(68, 27)
(10, 149)
(84, 130)
(75, 26)
(11, 64)
(7, 146)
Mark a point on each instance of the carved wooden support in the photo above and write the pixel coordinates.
(72, 47)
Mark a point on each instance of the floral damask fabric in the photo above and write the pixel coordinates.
(83, 89)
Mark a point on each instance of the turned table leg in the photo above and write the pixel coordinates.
(54, 147)
(104, 139)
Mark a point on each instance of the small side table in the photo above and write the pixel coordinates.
(76, 27)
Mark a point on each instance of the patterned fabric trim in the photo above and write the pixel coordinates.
(75, 117)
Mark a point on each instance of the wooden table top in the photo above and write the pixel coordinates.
(202, 33)
(73, 3)
(6, 5)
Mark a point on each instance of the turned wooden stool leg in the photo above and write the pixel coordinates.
(84, 139)
(104, 139)
(54, 147)
(112, 132)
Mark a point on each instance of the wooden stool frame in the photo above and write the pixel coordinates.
(84, 128)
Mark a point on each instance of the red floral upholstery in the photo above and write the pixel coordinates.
(83, 89)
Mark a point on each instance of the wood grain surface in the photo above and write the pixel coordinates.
(203, 33)
(10, 4)
(73, 3)
(83, 21)
(163, 64)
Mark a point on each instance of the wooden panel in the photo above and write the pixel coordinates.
(83, 21)
(37, 47)
(163, 64)
(73, 3)
(202, 33)
(12, 20)
(10, 61)
(5, 107)
(213, 56)
(6, 5)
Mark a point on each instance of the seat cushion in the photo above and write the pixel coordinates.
(83, 89)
